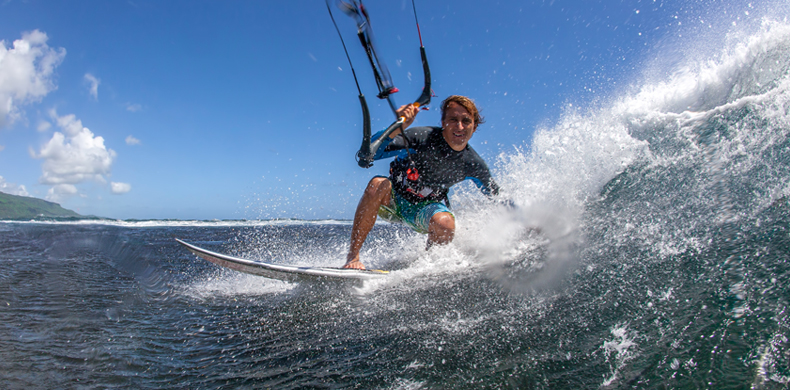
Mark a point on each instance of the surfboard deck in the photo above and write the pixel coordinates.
(288, 273)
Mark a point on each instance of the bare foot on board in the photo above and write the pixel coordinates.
(354, 264)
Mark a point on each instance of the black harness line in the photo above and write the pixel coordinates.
(356, 10)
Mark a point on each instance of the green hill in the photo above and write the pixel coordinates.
(23, 207)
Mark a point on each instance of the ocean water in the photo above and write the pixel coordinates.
(650, 249)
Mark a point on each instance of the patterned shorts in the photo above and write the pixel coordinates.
(414, 215)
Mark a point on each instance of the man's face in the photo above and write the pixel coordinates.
(458, 126)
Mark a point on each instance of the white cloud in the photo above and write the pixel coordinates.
(43, 126)
(132, 141)
(93, 85)
(73, 156)
(133, 107)
(2, 148)
(120, 188)
(11, 188)
(60, 192)
(26, 72)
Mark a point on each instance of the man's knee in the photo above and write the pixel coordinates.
(379, 188)
(441, 229)
(379, 184)
(443, 222)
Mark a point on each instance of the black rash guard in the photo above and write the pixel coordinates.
(439, 167)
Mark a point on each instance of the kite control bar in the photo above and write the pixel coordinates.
(368, 149)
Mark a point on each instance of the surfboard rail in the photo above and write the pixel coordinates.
(289, 273)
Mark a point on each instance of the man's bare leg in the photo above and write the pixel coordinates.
(377, 193)
(441, 229)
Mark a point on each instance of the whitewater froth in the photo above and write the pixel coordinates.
(670, 160)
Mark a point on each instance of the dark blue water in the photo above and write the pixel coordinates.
(107, 306)
(651, 249)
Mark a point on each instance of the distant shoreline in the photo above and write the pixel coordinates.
(24, 209)
(16, 207)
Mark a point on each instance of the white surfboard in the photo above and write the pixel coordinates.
(289, 273)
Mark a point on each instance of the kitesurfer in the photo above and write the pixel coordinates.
(415, 193)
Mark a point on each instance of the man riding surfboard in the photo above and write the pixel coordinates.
(415, 192)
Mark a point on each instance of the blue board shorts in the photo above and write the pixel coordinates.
(414, 215)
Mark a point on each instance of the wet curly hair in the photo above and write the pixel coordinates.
(466, 103)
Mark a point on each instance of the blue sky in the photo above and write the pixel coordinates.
(248, 109)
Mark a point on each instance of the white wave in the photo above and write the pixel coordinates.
(231, 284)
(562, 173)
(750, 65)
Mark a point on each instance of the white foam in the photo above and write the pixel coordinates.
(768, 366)
(618, 351)
(747, 66)
(230, 284)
